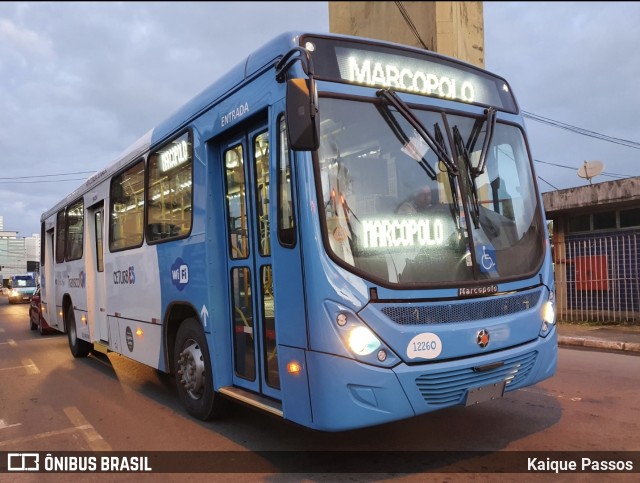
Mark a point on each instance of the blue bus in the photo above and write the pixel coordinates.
(340, 231)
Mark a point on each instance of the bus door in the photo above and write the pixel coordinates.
(245, 158)
(48, 287)
(95, 278)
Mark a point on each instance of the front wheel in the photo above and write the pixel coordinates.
(79, 348)
(194, 378)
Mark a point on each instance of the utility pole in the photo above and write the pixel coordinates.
(455, 29)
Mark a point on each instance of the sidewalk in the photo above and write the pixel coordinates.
(606, 337)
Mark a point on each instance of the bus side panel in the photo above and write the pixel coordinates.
(140, 341)
(346, 394)
(184, 279)
(70, 282)
(296, 402)
(133, 290)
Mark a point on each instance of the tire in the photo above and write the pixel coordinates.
(194, 378)
(79, 348)
(41, 329)
(31, 324)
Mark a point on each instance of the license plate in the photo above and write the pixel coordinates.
(485, 393)
(25, 298)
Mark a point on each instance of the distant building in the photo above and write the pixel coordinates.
(18, 254)
(596, 249)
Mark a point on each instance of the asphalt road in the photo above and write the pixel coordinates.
(50, 402)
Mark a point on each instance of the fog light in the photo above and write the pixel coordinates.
(382, 355)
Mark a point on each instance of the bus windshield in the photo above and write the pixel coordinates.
(394, 210)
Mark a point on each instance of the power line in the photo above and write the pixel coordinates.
(542, 179)
(604, 173)
(47, 175)
(412, 27)
(579, 130)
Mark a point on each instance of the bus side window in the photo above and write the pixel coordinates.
(286, 211)
(61, 230)
(127, 208)
(236, 202)
(75, 230)
(170, 190)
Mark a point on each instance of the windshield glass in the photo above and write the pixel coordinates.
(394, 213)
(24, 282)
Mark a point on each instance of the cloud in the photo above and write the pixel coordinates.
(81, 81)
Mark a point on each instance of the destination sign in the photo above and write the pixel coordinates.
(175, 154)
(407, 70)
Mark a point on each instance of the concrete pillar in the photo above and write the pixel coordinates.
(455, 29)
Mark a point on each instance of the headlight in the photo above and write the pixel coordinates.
(356, 339)
(548, 318)
(362, 341)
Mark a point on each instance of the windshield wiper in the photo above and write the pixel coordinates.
(392, 98)
(471, 176)
(455, 202)
(491, 124)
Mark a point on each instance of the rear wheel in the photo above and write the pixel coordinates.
(33, 326)
(194, 378)
(79, 347)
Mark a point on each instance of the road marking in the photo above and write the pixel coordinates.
(28, 439)
(30, 366)
(94, 439)
(27, 364)
(4, 425)
(11, 342)
(79, 424)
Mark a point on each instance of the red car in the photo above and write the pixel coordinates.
(36, 318)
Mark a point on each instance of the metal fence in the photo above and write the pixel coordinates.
(597, 278)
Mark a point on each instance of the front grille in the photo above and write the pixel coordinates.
(447, 388)
(444, 313)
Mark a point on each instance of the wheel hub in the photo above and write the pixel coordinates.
(191, 370)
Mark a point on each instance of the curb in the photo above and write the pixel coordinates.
(599, 344)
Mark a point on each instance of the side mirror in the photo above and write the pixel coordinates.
(303, 124)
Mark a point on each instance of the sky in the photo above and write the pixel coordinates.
(81, 81)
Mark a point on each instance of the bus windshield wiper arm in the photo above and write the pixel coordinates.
(455, 202)
(471, 176)
(392, 98)
(491, 123)
(404, 139)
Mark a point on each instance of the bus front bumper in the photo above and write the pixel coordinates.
(346, 394)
